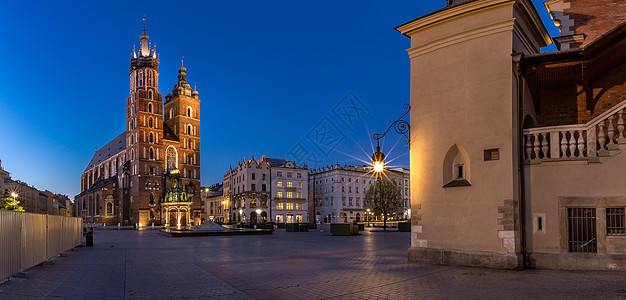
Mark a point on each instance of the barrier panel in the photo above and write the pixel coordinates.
(28, 239)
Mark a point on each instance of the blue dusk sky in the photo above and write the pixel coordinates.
(275, 78)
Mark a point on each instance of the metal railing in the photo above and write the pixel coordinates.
(28, 239)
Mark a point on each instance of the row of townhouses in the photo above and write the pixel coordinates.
(32, 199)
(276, 190)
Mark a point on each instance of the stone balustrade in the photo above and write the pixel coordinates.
(594, 139)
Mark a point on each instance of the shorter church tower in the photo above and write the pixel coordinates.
(182, 140)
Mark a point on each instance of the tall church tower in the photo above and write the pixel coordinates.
(144, 133)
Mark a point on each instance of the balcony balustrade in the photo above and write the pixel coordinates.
(590, 141)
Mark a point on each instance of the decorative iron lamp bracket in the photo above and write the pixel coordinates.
(399, 125)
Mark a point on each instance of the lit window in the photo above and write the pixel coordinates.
(299, 185)
(289, 194)
(279, 194)
(279, 183)
(299, 194)
(289, 184)
(289, 206)
(279, 205)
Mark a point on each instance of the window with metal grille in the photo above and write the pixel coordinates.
(582, 229)
(615, 221)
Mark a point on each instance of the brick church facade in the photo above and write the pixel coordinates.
(150, 173)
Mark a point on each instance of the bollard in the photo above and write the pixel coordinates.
(89, 239)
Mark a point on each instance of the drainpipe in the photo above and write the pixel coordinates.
(525, 263)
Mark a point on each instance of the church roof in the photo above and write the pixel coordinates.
(99, 185)
(113, 147)
(168, 134)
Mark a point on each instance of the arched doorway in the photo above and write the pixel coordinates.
(345, 218)
(183, 218)
(173, 218)
(358, 217)
(264, 216)
(253, 217)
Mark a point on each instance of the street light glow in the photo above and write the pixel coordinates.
(379, 166)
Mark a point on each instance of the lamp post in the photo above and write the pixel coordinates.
(378, 158)
(258, 215)
(14, 195)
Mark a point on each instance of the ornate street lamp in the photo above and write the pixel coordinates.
(400, 126)
(378, 158)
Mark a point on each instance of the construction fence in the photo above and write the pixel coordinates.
(28, 239)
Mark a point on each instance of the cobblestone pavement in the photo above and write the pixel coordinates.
(299, 265)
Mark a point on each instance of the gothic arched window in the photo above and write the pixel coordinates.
(151, 199)
(189, 129)
(151, 137)
(456, 167)
(151, 153)
(150, 122)
(97, 205)
(171, 113)
(171, 157)
(150, 104)
(189, 111)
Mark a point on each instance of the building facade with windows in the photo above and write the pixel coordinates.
(289, 192)
(337, 192)
(516, 155)
(246, 191)
(266, 190)
(130, 181)
(32, 199)
(213, 204)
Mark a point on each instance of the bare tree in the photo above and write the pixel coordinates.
(384, 198)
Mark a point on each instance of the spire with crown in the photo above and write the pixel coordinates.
(146, 56)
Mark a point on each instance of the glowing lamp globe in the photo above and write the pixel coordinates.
(378, 160)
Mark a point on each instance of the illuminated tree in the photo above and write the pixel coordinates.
(7, 203)
(384, 198)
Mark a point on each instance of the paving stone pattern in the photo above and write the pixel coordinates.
(130, 264)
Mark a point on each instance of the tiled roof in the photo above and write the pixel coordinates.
(99, 185)
(275, 162)
(168, 134)
(113, 147)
